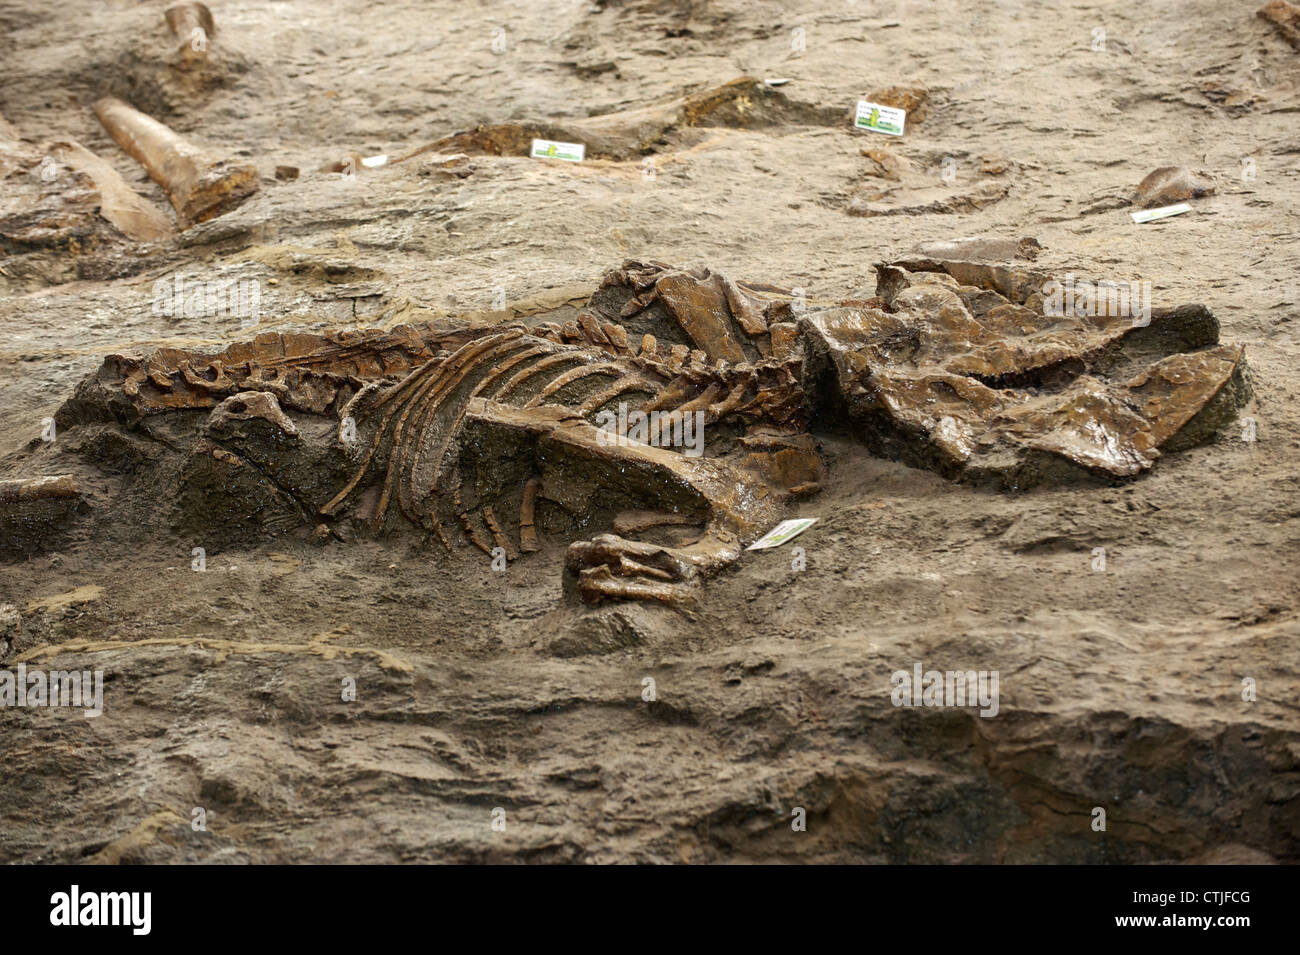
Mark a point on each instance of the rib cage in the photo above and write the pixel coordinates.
(413, 426)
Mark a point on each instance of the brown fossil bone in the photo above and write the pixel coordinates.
(1000, 386)
(1170, 184)
(199, 185)
(1285, 18)
(745, 103)
(954, 365)
(59, 195)
(191, 23)
(128, 212)
(38, 489)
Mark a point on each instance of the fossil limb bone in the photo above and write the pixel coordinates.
(39, 489)
(124, 208)
(191, 23)
(199, 185)
(528, 517)
(1285, 18)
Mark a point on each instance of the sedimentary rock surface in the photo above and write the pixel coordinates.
(1005, 478)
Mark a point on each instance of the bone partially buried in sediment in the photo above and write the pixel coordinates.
(200, 186)
(127, 211)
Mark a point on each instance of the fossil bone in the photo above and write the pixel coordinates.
(131, 214)
(191, 23)
(955, 366)
(38, 489)
(199, 185)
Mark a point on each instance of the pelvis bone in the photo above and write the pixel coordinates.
(505, 437)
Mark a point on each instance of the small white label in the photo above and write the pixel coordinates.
(786, 530)
(1148, 215)
(569, 152)
(370, 162)
(880, 119)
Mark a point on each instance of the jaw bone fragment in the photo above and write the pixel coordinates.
(199, 185)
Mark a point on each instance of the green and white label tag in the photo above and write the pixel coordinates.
(569, 152)
(1164, 212)
(880, 119)
(783, 532)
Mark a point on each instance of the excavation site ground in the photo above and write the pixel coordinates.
(319, 460)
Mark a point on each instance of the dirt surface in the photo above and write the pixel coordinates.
(496, 719)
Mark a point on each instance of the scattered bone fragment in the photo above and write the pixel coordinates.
(909, 202)
(911, 99)
(885, 163)
(892, 184)
(60, 195)
(1172, 184)
(128, 211)
(981, 249)
(1285, 18)
(38, 489)
(349, 165)
(191, 23)
(199, 185)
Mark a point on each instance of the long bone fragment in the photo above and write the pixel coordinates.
(199, 185)
(192, 24)
(38, 489)
(128, 212)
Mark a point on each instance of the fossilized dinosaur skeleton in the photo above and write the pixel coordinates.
(952, 365)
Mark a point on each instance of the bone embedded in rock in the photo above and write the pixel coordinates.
(528, 517)
(968, 371)
(200, 186)
(634, 522)
(39, 489)
(192, 24)
(128, 212)
(1285, 17)
(498, 536)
